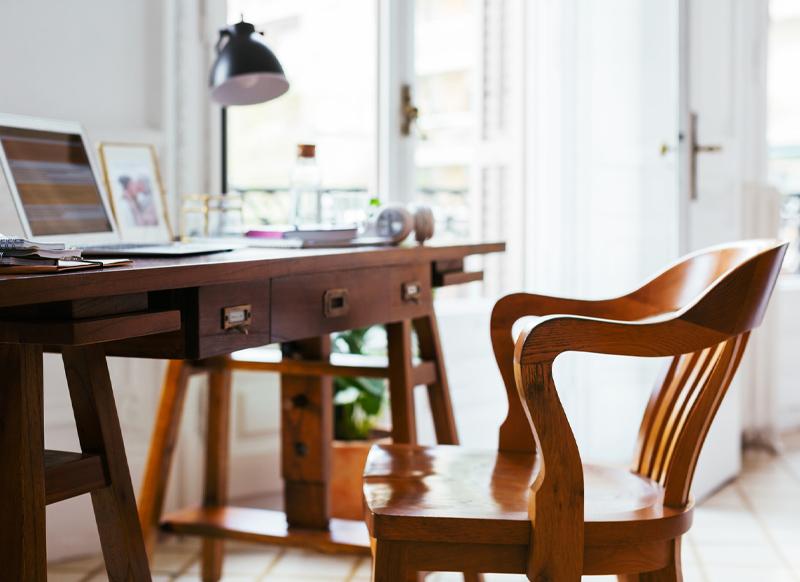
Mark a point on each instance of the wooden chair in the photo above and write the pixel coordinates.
(532, 507)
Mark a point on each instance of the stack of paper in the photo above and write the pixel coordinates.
(20, 247)
(19, 256)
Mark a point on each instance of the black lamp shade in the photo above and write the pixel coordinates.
(246, 70)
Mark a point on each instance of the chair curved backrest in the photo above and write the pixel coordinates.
(669, 291)
(699, 312)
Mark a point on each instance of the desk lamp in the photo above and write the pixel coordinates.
(245, 72)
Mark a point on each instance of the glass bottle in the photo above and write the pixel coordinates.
(305, 186)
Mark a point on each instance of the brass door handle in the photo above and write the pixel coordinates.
(665, 149)
(695, 149)
(409, 114)
(707, 149)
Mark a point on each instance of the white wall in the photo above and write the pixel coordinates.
(98, 62)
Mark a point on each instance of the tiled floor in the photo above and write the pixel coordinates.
(749, 531)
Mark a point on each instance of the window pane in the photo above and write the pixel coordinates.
(783, 132)
(446, 45)
(328, 50)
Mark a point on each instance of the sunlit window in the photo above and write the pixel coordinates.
(328, 50)
(446, 51)
(783, 134)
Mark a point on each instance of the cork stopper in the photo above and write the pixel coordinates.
(306, 150)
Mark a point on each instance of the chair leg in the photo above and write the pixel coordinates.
(390, 562)
(99, 433)
(162, 447)
(22, 494)
(216, 469)
(401, 382)
(439, 392)
(672, 573)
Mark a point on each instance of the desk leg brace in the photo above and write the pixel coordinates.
(307, 431)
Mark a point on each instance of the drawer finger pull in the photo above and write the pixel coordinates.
(335, 303)
(412, 291)
(237, 317)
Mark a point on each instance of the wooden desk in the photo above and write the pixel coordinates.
(292, 295)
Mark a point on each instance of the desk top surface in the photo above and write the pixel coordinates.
(153, 274)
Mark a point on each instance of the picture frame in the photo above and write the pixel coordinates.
(135, 190)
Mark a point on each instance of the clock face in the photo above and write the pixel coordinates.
(392, 222)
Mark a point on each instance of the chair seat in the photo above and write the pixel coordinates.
(454, 494)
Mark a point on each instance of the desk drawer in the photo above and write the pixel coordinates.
(215, 319)
(306, 306)
(232, 317)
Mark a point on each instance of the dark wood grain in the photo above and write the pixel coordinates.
(150, 275)
(298, 302)
(203, 334)
(99, 434)
(22, 481)
(78, 308)
(88, 331)
(70, 474)
(446, 279)
(401, 382)
(403, 307)
(263, 526)
(306, 434)
(218, 434)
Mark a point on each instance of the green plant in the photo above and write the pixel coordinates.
(357, 401)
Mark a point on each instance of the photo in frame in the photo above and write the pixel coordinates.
(134, 186)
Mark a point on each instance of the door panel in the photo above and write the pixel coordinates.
(723, 68)
(620, 63)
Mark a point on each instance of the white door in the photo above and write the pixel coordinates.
(602, 203)
(643, 73)
(724, 86)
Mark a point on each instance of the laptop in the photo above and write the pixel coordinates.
(53, 179)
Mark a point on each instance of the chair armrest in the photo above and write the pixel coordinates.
(667, 335)
(519, 305)
(515, 433)
(556, 501)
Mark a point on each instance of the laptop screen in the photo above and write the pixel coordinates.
(55, 182)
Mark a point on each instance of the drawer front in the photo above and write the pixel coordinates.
(410, 293)
(216, 319)
(306, 306)
(231, 317)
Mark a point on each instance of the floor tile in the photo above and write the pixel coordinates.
(744, 556)
(238, 562)
(169, 562)
(81, 564)
(313, 566)
(363, 568)
(741, 574)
